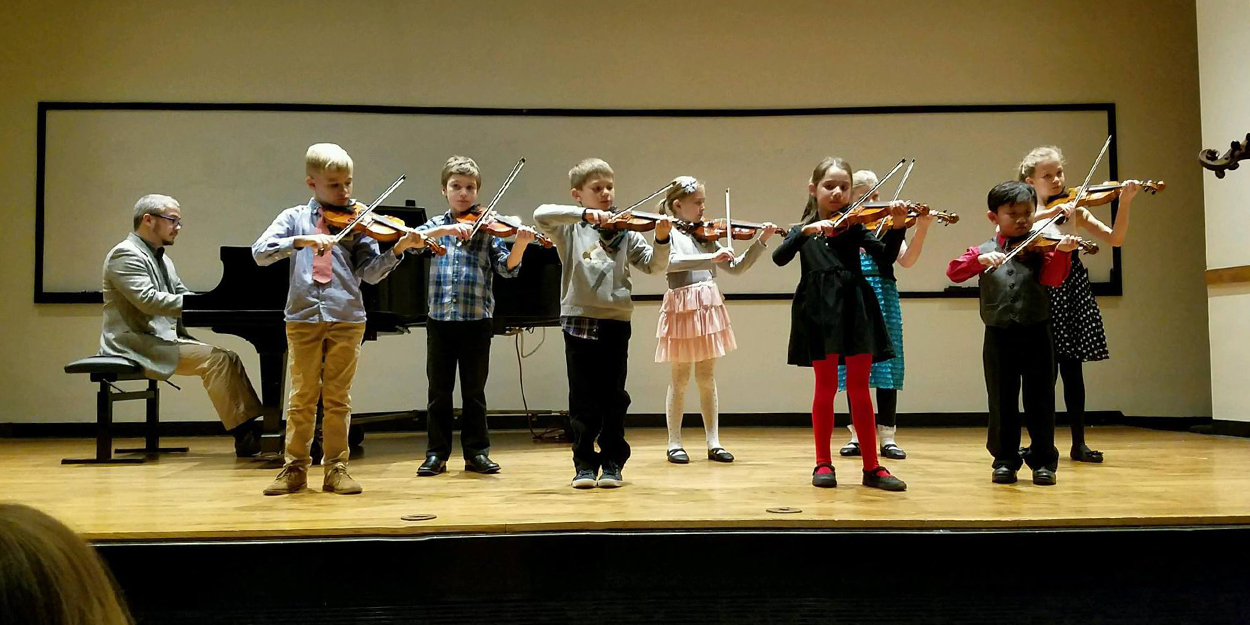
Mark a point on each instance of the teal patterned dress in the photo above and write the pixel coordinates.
(887, 373)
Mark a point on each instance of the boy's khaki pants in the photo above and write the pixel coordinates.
(322, 358)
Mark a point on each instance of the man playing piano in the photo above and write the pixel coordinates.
(143, 321)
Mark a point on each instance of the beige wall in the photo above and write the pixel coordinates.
(1140, 55)
(1225, 88)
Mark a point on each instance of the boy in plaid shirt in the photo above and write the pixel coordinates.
(459, 329)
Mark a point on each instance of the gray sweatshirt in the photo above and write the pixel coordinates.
(690, 260)
(594, 283)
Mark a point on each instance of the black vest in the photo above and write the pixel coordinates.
(1012, 294)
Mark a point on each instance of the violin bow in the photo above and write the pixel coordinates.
(1037, 232)
(729, 224)
(369, 209)
(663, 189)
(846, 212)
(490, 208)
(897, 192)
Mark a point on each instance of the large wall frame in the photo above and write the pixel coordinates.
(1112, 287)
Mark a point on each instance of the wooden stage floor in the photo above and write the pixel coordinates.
(1152, 478)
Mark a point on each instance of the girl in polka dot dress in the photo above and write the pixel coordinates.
(1078, 329)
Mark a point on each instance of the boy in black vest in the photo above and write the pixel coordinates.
(1018, 343)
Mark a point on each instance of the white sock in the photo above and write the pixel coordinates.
(675, 402)
(885, 434)
(709, 404)
(854, 436)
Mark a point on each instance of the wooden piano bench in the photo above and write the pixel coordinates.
(105, 370)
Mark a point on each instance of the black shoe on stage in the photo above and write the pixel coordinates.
(1085, 454)
(247, 439)
(678, 456)
(849, 449)
(719, 455)
(893, 452)
(1044, 477)
(881, 478)
(824, 480)
(481, 464)
(1004, 475)
(433, 465)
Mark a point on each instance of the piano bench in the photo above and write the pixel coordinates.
(105, 370)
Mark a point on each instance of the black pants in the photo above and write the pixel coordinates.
(1014, 355)
(887, 407)
(597, 397)
(1074, 397)
(452, 344)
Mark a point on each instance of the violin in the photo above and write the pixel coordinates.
(499, 225)
(872, 213)
(1100, 194)
(637, 221)
(1237, 151)
(381, 228)
(715, 230)
(1044, 243)
(912, 215)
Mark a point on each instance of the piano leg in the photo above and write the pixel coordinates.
(272, 381)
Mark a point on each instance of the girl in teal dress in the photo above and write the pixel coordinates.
(886, 376)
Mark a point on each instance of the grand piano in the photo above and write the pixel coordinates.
(249, 301)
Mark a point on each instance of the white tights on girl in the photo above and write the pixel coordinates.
(675, 404)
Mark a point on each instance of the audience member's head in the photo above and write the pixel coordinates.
(51, 576)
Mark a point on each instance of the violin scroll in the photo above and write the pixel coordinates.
(1237, 151)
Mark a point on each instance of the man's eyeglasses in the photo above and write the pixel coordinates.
(177, 221)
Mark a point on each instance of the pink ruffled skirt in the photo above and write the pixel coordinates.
(694, 325)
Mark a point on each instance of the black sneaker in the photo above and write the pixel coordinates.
(611, 477)
(1044, 477)
(1004, 475)
(585, 478)
(881, 478)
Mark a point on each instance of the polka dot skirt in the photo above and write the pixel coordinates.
(1079, 334)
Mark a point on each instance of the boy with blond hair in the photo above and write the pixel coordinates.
(595, 310)
(459, 330)
(325, 316)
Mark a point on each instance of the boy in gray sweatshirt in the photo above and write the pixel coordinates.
(595, 308)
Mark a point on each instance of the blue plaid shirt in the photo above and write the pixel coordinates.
(460, 281)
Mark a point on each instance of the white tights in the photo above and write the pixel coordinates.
(704, 376)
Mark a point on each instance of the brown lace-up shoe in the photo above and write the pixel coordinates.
(338, 481)
(292, 479)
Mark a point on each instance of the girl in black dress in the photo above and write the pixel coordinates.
(835, 318)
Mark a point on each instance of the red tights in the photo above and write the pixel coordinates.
(857, 369)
